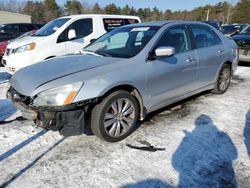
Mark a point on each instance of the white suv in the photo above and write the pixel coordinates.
(61, 36)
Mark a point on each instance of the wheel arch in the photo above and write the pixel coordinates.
(218, 71)
(132, 90)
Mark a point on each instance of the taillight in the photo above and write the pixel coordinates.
(236, 51)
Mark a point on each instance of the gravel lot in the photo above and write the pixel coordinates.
(206, 140)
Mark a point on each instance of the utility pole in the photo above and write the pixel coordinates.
(208, 12)
(229, 14)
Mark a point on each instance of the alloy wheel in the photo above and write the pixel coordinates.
(224, 79)
(119, 117)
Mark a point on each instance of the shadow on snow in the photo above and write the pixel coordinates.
(22, 171)
(203, 159)
(7, 109)
(247, 133)
(4, 77)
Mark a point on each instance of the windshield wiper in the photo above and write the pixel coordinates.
(89, 52)
(103, 53)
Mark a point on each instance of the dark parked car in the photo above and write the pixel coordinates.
(3, 44)
(13, 30)
(230, 30)
(243, 41)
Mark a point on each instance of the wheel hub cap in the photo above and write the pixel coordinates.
(119, 117)
(224, 79)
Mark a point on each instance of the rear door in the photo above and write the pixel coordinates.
(171, 77)
(210, 51)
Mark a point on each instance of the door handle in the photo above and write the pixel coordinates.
(220, 51)
(191, 60)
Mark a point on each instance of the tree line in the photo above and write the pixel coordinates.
(44, 11)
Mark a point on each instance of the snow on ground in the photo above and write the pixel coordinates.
(206, 140)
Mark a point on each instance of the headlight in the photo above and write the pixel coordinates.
(24, 48)
(58, 96)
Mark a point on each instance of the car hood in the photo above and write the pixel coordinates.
(24, 41)
(28, 79)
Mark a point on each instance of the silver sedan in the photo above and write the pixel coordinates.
(124, 75)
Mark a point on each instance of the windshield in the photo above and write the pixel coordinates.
(124, 42)
(246, 30)
(51, 27)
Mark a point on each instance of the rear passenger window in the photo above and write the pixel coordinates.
(130, 21)
(112, 23)
(204, 36)
(82, 27)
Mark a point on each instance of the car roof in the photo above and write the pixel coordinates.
(99, 15)
(162, 23)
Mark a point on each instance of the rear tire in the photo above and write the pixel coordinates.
(223, 81)
(115, 117)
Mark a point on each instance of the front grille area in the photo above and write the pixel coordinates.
(11, 69)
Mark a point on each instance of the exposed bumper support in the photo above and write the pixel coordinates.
(68, 120)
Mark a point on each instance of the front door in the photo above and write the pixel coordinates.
(170, 77)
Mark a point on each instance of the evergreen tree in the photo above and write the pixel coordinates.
(73, 7)
(36, 10)
(52, 10)
(112, 9)
(241, 12)
(97, 9)
(126, 10)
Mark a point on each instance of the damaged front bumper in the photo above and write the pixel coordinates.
(69, 120)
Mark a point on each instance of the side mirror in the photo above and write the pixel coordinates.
(71, 34)
(164, 51)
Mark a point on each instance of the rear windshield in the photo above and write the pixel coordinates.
(51, 27)
(228, 29)
(112, 23)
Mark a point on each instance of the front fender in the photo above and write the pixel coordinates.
(96, 89)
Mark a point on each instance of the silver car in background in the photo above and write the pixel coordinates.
(124, 75)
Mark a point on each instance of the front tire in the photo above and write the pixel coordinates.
(223, 81)
(115, 117)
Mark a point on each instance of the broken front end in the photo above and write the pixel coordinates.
(68, 119)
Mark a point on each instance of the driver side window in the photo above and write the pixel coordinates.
(83, 28)
(176, 37)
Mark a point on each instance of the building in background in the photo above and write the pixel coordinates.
(10, 17)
